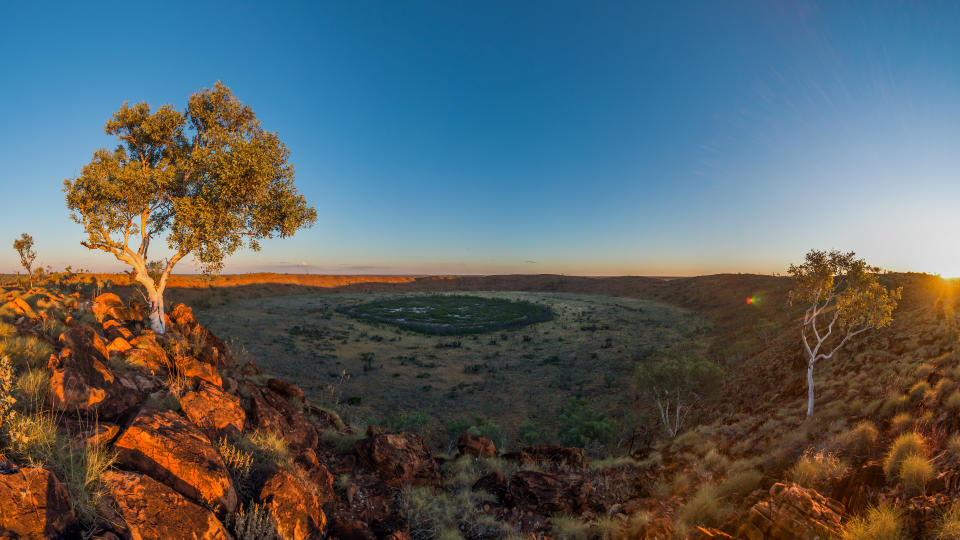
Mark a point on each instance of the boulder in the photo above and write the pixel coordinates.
(494, 483)
(80, 379)
(318, 474)
(119, 345)
(296, 510)
(215, 412)
(399, 458)
(110, 305)
(475, 445)
(148, 354)
(285, 389)
(272, 412)
(351, 530)
(34, 504)
(211, 349)
(148, 509)
(791, 512)
(175, 452)
(114, 329)
(192, 368)
(548, 493)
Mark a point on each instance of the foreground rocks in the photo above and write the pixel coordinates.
(548, 493)
(216, 412)
(399, 458)
(175, 452)
(792, 512)
(296, 510)
(146, 508)
(33, 504)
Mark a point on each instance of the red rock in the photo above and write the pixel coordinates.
(175, 452)
(296, 510)
(351, 530)
(548, 493)
(119, 345)
(149, 509)
(791, 512)
(80, 379)
(285, 389)
(148, 354)
(193, 368)
(110, 305)
(215, 412)
(34, 504)
(102, 434)
(476, 445)
(272, 412)
(399, 458)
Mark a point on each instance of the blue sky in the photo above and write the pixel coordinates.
(535, 137)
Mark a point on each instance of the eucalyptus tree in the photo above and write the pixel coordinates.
(843, 299)
(210, 180)
(24, 247)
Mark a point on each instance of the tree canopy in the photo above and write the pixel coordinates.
(211, 179)
(844, 298)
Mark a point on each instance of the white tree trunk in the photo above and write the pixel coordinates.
(156, 311)
(810, 389)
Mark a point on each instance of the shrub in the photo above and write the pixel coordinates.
(478, 426)
(924, 370)
(579, 425)
(571, 528)
(31, 388)
(812, 469)
(739, 484)
(7, 329)
(439, 514)
(952, 402)
(915, 472)
(949, 526)
(237, 461)
(903, 446)
(706, 507)
(266, 448)
(255, 522)
(26, 351)
(414, 421)
(342, 443)
(901, 422)
(7, 400)
(860, 439)
(881, 523)
(918, 390)
(953, 448)
(893, 404)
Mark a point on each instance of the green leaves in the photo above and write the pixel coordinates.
(210, 177)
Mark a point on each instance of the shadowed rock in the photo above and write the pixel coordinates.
(148, 509)
(175, 452)
(296, 510)
(33, 504)
(215, 412)
(549, 493)
(791, 512)
(399, 458)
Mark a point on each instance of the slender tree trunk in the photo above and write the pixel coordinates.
(810, 389)
(156, 311)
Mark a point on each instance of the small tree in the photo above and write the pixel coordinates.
(24, 246)
(843, 299)
(210, 178)
(676, 383)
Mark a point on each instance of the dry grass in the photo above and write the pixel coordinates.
(812, 470)
(880, 523)
(903, 447)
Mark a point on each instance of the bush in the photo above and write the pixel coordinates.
(739, 484)
(881, 523)
(915, 472)
(952, 402)
(918, 390)
(580, 426)
(893, 404)
(478, 426)
(860, 439)
(813, 469)
(266, 448)
(571, 528)
(901, 422)
(706, 507)
(32, 387)
(953, 448)
(438, 514)
(949, 526)
(26, 351)
(414, 421)
(255, 522)
(903, 446)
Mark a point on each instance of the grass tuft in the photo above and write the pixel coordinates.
(880, 523)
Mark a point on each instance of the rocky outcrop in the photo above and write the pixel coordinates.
(296, 510)
(80, 379)
(166, 447)
(210, 349)
(475, 445)
(399, 458)
(33, 504)
(215, 412)
(109, 305)
(494, 483)
(548, 493)
(148, 354)
(791, 512)
(270, 411)
(146, 509)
